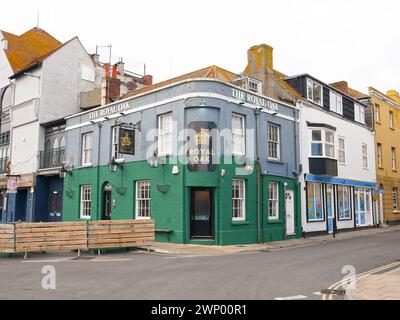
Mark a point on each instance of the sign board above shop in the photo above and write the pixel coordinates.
(114, 109)
(255, 100)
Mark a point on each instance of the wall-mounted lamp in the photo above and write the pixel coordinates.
(114, 165)
(223, 173)
(154, 162)
(64, 171)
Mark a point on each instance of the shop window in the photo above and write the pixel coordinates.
(274, 148)
(165, 128)
(363, 206)
(143, 199)
(315, 206)
(344, 202)
(238, 200)
(238, 135)
(273, 201)
(86, 202)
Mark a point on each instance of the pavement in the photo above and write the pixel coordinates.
(193, 250)
(378, 287)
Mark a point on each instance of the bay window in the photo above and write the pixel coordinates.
(323, 143)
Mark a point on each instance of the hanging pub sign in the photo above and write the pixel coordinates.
(201, 153)
(126, 141)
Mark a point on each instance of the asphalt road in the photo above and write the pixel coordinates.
(296, 272)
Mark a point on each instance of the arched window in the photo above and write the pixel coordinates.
(56, 144)
(62, 143)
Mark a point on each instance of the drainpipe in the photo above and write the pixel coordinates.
(100, 125)
(257, 115)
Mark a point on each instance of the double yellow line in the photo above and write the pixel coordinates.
(360, 276)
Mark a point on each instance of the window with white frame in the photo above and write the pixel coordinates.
(238, 135)
(323, 143)
(394, 161)
(365, 156)
(379, 154)
(273, 201)
(391, 119)
(143, 199)
(115, 143)
(86, 202)
(165, 132)
(274, 149)
(395, 199)
(314, 92)
(342, 150)
(255, 85)
(336, 102)
(315, 204)
(344, 201)
(377, 113)
(238, 200)
(359, 113)
(87, 148)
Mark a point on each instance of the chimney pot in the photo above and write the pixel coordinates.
(394, 95)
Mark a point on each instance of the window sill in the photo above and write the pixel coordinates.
(240, 223)
(395, 170)
(343, 164)
(381, 168)
(274, 221)
(89, 165)
(275, 161)
(345, 220)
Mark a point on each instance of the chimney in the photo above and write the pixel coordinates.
(148, 80)
(260, 60)
(342, 86)
(121, 67)
(393, 94)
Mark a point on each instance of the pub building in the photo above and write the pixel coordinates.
(211, 156)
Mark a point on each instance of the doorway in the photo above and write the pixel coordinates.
(330, 207)
(107, 200)
(21, 207)
(55, 207)
(201, 213)
(290, 222)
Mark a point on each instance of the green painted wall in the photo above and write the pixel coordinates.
(172, 210)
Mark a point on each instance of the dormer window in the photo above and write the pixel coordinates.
(359, 113)
(314, 92)
(336, 102)
(255, 85)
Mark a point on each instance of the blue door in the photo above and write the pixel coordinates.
(55, 207)
(330, 208)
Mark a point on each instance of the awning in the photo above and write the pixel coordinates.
(345, 182)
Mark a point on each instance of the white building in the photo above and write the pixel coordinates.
(338, 158)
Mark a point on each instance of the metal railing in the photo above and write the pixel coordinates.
(52, 158)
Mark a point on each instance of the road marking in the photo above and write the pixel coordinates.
(300, 297)
(356, 278)
(42, 261)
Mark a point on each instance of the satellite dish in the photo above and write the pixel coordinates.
(132, 85)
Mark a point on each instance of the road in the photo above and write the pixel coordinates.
(295, 273)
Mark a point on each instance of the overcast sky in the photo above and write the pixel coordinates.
(353, 40)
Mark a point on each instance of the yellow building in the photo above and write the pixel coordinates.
(386, 119)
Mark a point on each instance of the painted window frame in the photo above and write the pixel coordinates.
(322, 200)
(255, 85)
(311, 84)
(87, 151)
(365, 160)
(379, 155)
(165, 134)
(359, 113)
(238, 135)
(241, 199)
(273, 201)
(391, 120)
(115, 143)
(395, 199)
(342, 151)
(336, 102)
(323, 142)
(139, 200)
(85, 201)
(394, 158)
(377, 113)
(341, 216)
(276, 143)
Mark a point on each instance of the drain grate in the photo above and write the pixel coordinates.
(334, 292)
